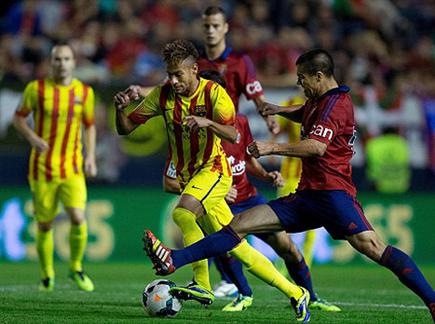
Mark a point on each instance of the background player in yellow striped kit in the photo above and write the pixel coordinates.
(60, 104)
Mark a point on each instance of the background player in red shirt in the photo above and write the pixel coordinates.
(326, 194)
(236, 68)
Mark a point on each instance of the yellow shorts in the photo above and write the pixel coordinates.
(46, 196)
(210, 188)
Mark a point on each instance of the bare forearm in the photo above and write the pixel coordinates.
(254, 168)
(225, 132)
(23, 128)
(293, 112)
(305, 148)
(124, 125)
(90, 140)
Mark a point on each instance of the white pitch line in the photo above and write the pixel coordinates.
(381, 305)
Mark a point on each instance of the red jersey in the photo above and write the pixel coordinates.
(237, 157)
(238, 72)
(330, 120)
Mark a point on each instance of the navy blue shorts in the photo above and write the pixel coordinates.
(256, 200)
(335, 210)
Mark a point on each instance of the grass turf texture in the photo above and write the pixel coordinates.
(367, 294)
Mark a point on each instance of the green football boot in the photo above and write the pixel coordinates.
(46, 285)
(193, 291)
(239, 304)
(82, 280)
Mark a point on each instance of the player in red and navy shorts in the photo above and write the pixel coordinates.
(326, 196)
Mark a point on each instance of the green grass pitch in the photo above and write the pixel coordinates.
(367, 294)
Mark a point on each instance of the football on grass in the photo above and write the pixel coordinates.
(157, 300)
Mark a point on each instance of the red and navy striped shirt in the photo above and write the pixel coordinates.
(330, 120)
(238, 72)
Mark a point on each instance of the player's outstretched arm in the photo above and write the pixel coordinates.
(124, 125)
(270, 120)
(226, 132)
(305, 148)
(254, 168)
(293, 112)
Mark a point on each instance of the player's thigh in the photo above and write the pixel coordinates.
(342, 214)
(259, 219)
(45, 200)
(73, 193)
(209, 188)
(216, 218)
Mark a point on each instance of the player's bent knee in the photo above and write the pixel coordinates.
(368, 243)
(238, 225)
(182, 216)
(44, 226)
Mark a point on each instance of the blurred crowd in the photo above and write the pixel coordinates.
(383, 49)
(385, 43)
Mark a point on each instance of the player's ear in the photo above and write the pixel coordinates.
(319, 75)
(195, 68)
(226, 28)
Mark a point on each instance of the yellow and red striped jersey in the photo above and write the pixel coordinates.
(190, 150)
(58, 113)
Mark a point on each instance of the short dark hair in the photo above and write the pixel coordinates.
(214, 10)
(214, 76)
(177, 51)
(65, 43)
(317, 60)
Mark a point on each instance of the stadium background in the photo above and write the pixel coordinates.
(384, 51)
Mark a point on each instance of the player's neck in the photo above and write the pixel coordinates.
(214, 52)
(63, 81)
(328, 85)
(193, 87)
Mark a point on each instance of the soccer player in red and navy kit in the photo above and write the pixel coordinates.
(236, 68)
(326, 196)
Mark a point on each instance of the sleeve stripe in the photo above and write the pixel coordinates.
(138, 119)
(22, 112)
(329, 106)
(250, 66)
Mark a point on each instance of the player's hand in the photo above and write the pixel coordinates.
(267, 109)
(39, 144)
(257, 149)
(196, 122)
(122, 100)
(277, 179)
(134, 92)
(90, 167)
(273, 125)
(231, 195)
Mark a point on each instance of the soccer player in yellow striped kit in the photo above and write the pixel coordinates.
(60, 104)
(198, 113)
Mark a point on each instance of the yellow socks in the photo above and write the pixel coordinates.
(260, 266)
(186, 221)
(45, 249)
(78, 239)
(308, 247)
